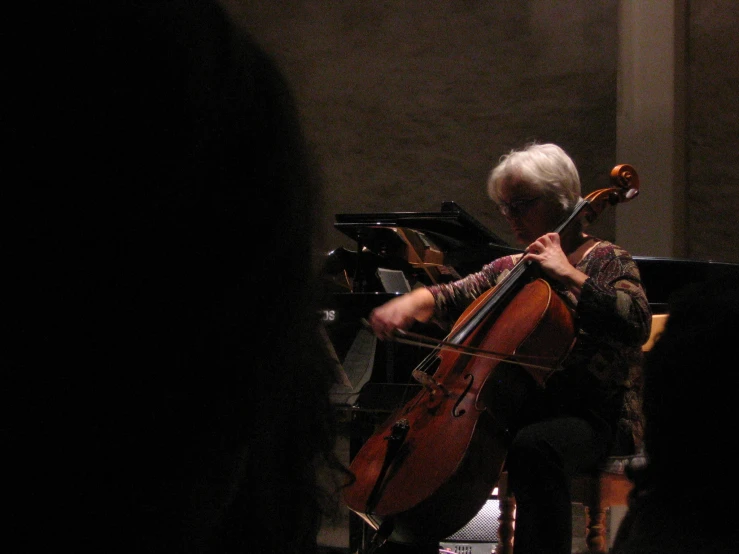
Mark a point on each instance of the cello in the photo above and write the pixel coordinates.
(432, 465)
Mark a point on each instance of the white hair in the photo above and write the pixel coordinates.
(545, 167)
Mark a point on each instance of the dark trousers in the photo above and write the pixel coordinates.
(541, 461)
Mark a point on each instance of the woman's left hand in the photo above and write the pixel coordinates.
(547, 252)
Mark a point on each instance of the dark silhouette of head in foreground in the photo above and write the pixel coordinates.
(170, 384)
(684, 498)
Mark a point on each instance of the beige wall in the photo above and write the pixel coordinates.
(408, 104)
(712, 162)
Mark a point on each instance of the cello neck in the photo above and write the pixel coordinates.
(511, 283)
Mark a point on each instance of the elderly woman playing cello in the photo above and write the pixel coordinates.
(589, 407)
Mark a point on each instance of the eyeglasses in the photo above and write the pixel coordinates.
(517, 207)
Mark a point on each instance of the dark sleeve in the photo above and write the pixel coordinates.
(613, 300)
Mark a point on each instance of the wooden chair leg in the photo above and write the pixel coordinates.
(507, 518)
(601, 493)
(595, 515)
(595, 529)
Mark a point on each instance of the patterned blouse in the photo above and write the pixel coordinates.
(602, 373)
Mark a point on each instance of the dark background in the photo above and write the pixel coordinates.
(409, 104)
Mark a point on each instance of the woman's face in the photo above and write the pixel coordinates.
(529, 213)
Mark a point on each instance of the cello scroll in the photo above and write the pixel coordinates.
(625, 187)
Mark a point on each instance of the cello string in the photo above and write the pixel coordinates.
(444, 345)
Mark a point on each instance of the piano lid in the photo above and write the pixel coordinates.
(451, 228)
(451, 237)
(661, 277)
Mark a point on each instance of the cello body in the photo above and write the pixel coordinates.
(434, 463)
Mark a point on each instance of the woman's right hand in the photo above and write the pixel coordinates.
(401, 313)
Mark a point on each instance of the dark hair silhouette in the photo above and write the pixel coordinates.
(690, 391)
(170, 372)
(684, 495)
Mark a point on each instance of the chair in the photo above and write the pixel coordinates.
(597, 492)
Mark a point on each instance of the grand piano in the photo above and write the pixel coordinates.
(397, 251)
(394, 253)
